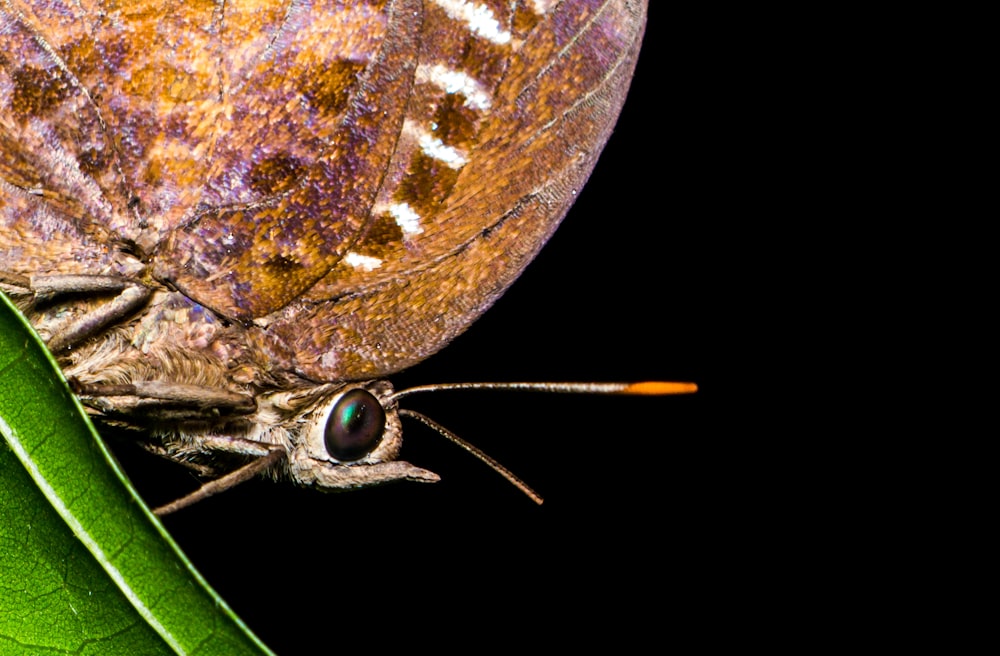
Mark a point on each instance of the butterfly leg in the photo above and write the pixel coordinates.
(173, 403)
(266, 456)
(163, 401)
(129, 297)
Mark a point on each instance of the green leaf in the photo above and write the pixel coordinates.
(85, 568)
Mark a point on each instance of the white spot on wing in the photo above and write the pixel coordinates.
(407, 220)
(542, 7)
(362, 262)
(452, 81)
(434, 147)
(478, 18)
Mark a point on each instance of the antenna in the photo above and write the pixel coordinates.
(645, 388)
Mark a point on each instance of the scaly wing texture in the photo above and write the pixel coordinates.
(355, 182)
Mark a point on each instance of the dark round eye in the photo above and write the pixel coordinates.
(355, 426)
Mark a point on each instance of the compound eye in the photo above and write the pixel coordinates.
(355, 426)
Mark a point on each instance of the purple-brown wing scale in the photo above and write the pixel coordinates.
(313, 192)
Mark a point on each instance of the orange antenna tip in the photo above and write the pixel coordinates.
(658, 387)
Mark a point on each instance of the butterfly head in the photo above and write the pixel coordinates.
(340, 436)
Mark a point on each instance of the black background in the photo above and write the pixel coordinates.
(626, 537)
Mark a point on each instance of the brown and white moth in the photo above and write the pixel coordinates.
(231, 221)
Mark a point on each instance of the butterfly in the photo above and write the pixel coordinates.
(232, 222)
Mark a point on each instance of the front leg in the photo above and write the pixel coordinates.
(163, 401)
(265, 457)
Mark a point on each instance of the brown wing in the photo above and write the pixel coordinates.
(561, 91)
(362, 179)
(55, 165)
